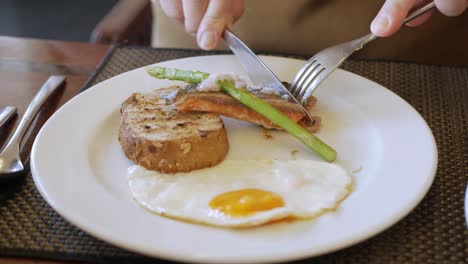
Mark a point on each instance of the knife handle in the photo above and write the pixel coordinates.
(6, 113)
(36, 103)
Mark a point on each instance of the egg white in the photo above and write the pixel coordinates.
(307, 187)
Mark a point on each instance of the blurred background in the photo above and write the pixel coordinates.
(52, 19)
(300, 27)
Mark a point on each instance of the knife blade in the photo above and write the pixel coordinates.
(257, 71)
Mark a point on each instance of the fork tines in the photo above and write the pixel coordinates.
(304, 82)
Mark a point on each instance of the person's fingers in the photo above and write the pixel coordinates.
(173, 9)
(451, 7)
(421, 19)
(193, 14)
(237, 9)
(391, 17)
(393, 13)
(218, 15)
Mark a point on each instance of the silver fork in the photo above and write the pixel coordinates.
(317, 68)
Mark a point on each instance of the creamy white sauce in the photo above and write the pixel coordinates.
(264, 90)
(269, 90)
(210, 84)
(171, 96)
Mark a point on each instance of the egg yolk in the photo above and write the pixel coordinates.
(246, 202)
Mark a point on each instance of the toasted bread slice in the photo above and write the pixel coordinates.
(155, 135)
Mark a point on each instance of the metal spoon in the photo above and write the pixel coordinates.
(6, 113)
(10, 161)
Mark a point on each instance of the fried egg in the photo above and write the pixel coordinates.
(243, 193)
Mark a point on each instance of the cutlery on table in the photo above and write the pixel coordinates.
(6, 113)
(318, 67)
(257, 71)
(10, 161)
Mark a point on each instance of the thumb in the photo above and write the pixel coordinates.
(216, 18)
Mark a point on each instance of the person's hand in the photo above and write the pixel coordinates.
(393, 13)
(204, 18)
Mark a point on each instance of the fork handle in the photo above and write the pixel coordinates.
(422, 10)
(416, 13)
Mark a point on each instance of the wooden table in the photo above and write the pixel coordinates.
(25, 64)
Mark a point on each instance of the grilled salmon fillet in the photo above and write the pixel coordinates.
(189, 99)
(154, 134)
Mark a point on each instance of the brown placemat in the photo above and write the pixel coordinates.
(435, 232)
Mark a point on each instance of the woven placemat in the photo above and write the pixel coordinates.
(435, 232)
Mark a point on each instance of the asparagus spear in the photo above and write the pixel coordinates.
(192, 77)
(250, 100)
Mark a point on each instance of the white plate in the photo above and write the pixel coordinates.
(466, 205)
(79, 168)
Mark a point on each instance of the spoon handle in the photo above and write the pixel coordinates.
(41, 96)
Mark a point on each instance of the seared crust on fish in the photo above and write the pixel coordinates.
(190, 100)
(155, 135)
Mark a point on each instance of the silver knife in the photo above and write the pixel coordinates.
(258, 72)
(6, 113)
